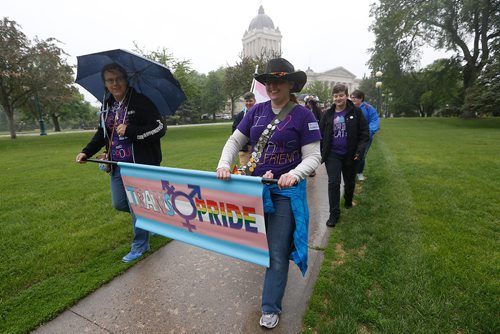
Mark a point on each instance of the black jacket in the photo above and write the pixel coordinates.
(145, 128)
(358, 134)
(237, 121)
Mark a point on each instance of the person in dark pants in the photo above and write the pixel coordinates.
(246, 151)
(345, 135)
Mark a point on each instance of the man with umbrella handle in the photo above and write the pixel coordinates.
(130, 129)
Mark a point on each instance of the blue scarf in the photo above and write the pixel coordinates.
(298, 199)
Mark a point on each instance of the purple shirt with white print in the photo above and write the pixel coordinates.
(339, 138)
(283, 150)
(121, 147)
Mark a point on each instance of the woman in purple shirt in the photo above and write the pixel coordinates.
(285, 141)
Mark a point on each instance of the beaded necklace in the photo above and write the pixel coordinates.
(263, 139)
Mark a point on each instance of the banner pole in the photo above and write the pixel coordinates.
(264, 180)
(102, 161)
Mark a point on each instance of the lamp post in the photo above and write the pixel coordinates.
(383, 104)
(42, 123)
(378, 85)
(387, 114)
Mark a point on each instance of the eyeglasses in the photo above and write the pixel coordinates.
(355, 97)
(118, 80)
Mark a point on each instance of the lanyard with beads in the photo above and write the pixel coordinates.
(264, 138)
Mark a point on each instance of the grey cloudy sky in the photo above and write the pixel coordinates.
(319, 34)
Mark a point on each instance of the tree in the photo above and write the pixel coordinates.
(213, 96)
(191, 81)
(367, 86)
(14, 74)
(442, 86)
(470, 28)
(321, 89)
(405, 87)
(238, 78)
(30, 73)
(78, 113)
(52, 79)
(483, 98)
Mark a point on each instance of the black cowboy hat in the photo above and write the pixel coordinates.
(280, 68)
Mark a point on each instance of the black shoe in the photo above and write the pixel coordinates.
(348, 206)
(331, 222)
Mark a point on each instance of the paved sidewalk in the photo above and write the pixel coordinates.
(185, 289)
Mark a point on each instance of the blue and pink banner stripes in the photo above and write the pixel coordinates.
(197, 208)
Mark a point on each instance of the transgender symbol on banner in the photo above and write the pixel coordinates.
(197, 208)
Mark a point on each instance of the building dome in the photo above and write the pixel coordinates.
(261, 37)
(261, 21)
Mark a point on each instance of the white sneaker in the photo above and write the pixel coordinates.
(269, 320)
(361, 177)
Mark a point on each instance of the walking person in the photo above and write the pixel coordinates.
(312, 104)
(371, 115)
(285, 142)
(345, 134)
(245, 152)
(130, 129)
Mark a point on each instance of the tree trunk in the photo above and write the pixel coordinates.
(232, 107)
(470, 75)
(55, 121)
(10, 120)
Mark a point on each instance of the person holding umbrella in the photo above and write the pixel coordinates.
(130, 129)
(285, 140)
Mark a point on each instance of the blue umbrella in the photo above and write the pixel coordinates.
(146, 76)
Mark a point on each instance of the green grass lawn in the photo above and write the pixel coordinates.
(60, 238)
(420, 253)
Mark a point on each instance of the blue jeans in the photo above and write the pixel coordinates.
(140, 242)
(335, 167)
(361, 165)
(279, 228)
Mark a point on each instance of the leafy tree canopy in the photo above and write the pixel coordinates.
(470, 28)
(31, 70)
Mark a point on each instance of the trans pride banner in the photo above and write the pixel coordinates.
(197, 208)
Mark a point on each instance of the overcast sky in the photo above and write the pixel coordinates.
(321, 34)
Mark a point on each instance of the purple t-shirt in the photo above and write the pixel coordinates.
(121, 147)
(283, 150)
(339, 138)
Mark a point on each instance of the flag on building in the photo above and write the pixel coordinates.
(259, 90)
